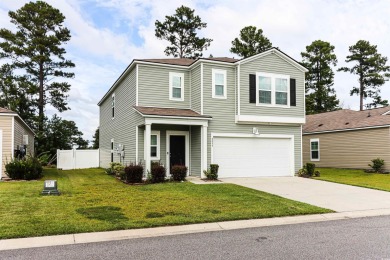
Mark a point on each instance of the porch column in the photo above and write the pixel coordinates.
(203, 151)
(147, 148)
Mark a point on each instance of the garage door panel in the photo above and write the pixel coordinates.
(252, 157)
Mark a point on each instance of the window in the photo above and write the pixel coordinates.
(272, 89)
(314, 149)
(219, 83)
(113, 105)
(176, 86)
(155, 145)
(112, 150)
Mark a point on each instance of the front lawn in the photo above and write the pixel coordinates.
(93, 201)
(356, 178)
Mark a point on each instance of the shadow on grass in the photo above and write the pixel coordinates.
(103, 213)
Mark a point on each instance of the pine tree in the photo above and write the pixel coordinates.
(251, 42)
(372, 72)
(320, 95)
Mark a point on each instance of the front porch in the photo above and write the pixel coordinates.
(172, 137)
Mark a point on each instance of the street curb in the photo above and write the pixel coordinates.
(81, 238)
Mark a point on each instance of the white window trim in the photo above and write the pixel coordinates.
(171, 75)
(312, 141)
(158, 144)
(219, 71)
(113, 103)
(273, 89)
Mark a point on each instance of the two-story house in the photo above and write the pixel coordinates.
(245, 115)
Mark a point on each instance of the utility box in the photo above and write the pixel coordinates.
(50, 188)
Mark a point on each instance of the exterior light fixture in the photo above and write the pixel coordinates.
(255, 131)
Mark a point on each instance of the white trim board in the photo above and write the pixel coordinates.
(250, 119)
(175, 121)
(12, 137)
(186, 134)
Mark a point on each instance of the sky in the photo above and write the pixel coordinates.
(108, 34)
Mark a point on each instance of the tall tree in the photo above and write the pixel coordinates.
(251, 42)
(372, 72)
(61, 134)
(36, 48)
(180, 30)
(95, 141)
(320, 95)
(17, 94)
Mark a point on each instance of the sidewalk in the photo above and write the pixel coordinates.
(81, 238)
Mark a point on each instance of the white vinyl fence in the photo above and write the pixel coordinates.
(77, 159)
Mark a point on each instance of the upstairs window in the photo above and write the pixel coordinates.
(113, 105)
(219, 83)
(272, 90)
(314, 149)
(176, 86)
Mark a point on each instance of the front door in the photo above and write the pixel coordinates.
(177, 145)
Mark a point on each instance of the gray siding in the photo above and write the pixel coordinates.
(153, 87)
(195, 89)
(20, 130)
(122, 128)
(195, 142)
(271, 64)
(222, 111)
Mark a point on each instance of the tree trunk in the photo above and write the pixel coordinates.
(41, 101)
(361, 92)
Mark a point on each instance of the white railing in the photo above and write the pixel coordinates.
(77, 159)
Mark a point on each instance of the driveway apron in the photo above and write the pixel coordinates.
(334, 196)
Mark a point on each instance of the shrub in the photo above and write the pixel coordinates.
(377, 164)
(28, 168)
(134, 173)
(158, 173)
(44, 158)
(116, 168)
(212, 173)
(178, 172)
(310, 168)
(308, 171)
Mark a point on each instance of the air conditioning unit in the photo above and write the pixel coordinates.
(25, 139)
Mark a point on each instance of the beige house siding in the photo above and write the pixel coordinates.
(6, 127)
(350, 149)
(20, 130)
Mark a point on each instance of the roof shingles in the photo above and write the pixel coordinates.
(6, 111)
(168, 112)
(346, 119)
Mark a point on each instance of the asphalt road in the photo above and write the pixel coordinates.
(365, 238)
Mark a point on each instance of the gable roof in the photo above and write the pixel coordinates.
(187, 63)
(346, 119)
(6, 112)
(168, 112)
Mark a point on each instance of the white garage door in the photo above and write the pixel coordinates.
(253, 157)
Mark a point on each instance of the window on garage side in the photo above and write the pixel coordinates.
(314, 149)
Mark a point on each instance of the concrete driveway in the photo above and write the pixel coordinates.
(334, 196)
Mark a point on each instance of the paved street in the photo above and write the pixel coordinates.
(365, 238)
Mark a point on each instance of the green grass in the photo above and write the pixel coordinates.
(356, 178)
(93, 201)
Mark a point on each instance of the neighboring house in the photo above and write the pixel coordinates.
(347, 138)
(245, 115)
(15, 134)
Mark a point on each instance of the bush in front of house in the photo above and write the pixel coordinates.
(212, 173)
(308, 171)
(377, 165)
(158, 173)
(134, 173)
(179, 172)
(28, 168)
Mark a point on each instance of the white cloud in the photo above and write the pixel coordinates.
(102, 53)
